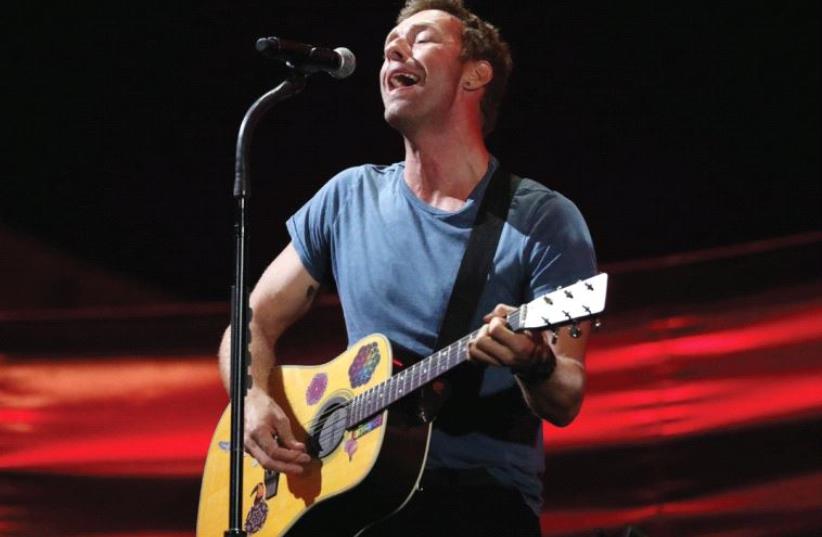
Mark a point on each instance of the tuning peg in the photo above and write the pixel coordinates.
(597, 323)
(575, 331)
(569, 294)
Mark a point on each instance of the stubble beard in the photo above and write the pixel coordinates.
(401, 118)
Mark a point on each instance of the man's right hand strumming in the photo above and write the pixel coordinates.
(269, 438)
(283, 294)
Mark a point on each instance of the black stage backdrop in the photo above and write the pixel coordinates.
(673, 127)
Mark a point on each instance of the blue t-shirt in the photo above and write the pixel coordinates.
(394, 260)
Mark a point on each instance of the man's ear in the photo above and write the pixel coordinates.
(478, 73)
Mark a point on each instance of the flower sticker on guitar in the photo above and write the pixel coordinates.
(364, 365)
(316, 389)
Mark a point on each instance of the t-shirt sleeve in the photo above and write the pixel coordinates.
(560, 251)
(311, 228)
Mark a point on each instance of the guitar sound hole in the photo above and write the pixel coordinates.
(328, 427)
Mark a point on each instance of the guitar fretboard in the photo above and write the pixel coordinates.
(378, 397)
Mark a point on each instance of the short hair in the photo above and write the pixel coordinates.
(481, 40)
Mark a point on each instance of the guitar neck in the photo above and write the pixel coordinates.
(411, 378)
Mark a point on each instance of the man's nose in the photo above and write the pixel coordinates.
(397, 50)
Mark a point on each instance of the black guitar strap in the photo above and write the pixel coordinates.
(468, 287)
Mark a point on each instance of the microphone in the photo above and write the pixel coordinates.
(308, 59)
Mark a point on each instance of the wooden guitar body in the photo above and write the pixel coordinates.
(358, 475)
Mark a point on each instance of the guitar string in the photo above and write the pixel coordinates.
(338, 424)
(513, 317)
(381, 405)
(325, 414)
(441, 353)
(334, 427)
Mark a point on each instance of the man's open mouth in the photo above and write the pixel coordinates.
(402, 80)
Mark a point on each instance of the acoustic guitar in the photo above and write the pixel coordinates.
(368, 447)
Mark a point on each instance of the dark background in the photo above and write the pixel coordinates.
(672, 127)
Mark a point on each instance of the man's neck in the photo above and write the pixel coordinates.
(443, 168)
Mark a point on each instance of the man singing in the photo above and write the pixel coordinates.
(392, 239)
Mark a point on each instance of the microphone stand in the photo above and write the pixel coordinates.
(240, 311)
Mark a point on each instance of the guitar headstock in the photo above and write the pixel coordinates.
(582, 300)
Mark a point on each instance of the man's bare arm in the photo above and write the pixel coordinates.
(283, 294)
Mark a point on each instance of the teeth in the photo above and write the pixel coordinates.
(404, 79)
